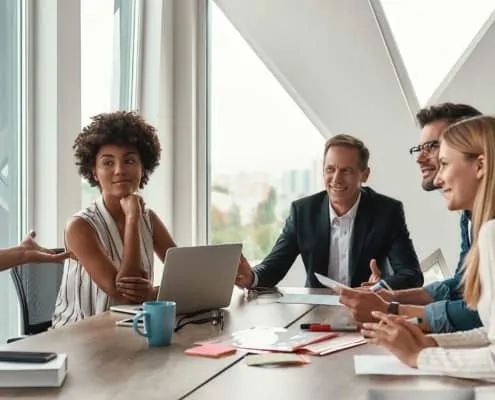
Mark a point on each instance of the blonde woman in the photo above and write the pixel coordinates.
(467, 180)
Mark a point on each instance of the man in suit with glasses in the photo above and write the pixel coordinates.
(439, 304)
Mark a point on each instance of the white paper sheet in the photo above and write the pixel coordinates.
(384, 365)
(330, 283)
(485, 392)
(319, 299)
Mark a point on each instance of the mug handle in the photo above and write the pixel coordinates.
(145, 315)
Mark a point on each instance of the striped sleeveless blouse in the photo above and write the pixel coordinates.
(79, 297)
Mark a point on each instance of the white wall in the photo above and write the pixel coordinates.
(472, 79)
(332, 59)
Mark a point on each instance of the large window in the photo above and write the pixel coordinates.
(264, 151)
(12, 123)
(110, 39)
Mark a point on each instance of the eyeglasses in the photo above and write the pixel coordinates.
(264, 292)
(427, 147)
(215, 317)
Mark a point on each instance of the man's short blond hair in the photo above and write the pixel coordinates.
(344, 140)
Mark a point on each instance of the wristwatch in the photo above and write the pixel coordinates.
(393, 308)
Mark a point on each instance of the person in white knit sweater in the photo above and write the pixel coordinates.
(467, 180)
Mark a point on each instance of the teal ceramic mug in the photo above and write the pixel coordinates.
(159, 322)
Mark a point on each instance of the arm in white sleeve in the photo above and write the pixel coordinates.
(479, 362)
(473, 338)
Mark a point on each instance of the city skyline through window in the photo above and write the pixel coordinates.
(265, 152)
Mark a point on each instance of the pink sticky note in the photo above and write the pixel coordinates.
(211, 350)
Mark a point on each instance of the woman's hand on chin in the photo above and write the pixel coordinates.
(132, 205)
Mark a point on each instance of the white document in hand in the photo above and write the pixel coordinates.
(330, 283)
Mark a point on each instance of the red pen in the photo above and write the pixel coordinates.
(326, 328)
(320, 328)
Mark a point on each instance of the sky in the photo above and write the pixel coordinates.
(255, 124)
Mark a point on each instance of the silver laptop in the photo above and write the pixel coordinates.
(197, 278)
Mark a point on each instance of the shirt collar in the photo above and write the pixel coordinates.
(351, 214)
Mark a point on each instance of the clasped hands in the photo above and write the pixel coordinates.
(136, 289)
(401, 337)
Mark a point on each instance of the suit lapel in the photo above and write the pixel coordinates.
(362, 225)
(322, 240)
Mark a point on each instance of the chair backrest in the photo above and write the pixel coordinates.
(37, 287)
(435, 267)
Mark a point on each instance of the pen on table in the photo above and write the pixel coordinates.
(316, 327)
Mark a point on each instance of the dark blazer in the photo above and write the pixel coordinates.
(379, 232)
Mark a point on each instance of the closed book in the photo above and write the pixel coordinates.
(49, 374)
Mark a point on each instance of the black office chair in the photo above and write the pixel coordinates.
(37, 288)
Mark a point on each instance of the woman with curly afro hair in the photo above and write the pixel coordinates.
(112, 242)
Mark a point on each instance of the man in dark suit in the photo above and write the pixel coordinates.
(340, 231)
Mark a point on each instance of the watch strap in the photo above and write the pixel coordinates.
(393, 308)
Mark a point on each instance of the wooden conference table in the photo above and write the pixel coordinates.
(110, 362)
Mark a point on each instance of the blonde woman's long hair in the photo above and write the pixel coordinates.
(474, 137)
